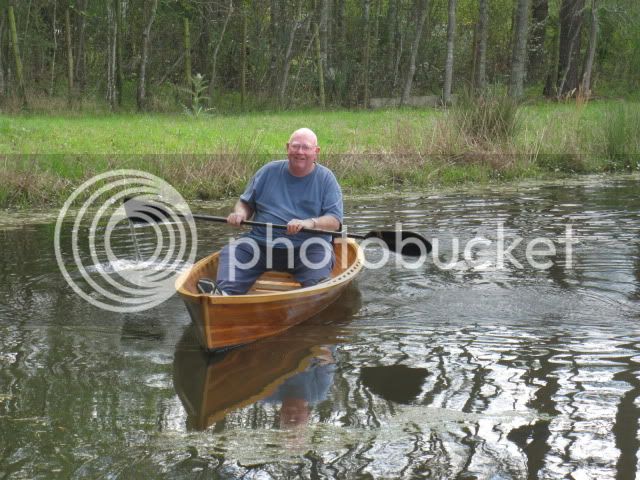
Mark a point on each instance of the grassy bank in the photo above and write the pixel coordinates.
(43, 158)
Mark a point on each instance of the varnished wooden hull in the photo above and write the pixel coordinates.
(274, 304)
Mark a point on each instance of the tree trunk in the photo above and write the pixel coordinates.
(551, 79)
(243, 72)
(480, 62)
(146, 44)
(422, 16)
(67, 23)
(81, 56)
(274, 42)
(288, 56)
(367, 51)
(319, 62)
(119, 62)
(537, 35)
(391, 35)
(324, 36)
(570, 28)
(187, 60)
(16, 54)
(593, 38)
(448, 68)
(111, 57)
(3, 84)
(519, 52)
(216, 50)
(55, 48)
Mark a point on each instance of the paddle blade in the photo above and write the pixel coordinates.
(145, 211)
(407, 243)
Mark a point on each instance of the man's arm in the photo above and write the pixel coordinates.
(241, 211)
(325, 222)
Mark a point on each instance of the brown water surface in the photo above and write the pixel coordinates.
(468, 371)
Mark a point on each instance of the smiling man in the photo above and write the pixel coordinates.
(297, 192)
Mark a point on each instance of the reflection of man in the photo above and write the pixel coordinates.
(304, 390)
(299, 193)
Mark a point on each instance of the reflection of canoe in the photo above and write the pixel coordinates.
(274, 304)
(210, 386)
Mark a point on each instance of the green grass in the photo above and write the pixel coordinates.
(43, 157)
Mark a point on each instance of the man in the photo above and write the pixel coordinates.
(299, 193)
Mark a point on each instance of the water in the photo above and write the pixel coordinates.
(468, 372)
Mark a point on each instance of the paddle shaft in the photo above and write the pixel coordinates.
(213, 218)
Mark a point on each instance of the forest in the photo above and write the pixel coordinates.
(239, 55)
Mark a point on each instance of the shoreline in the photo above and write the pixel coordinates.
(369, 151)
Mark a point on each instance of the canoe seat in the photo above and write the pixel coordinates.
(274, 285)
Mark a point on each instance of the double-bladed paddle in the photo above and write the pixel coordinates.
(399, 241)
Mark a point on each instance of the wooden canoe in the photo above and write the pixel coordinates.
(275, 302)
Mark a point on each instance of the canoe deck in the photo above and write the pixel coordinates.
(275, 302)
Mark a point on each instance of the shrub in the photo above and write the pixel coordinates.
(489, 117)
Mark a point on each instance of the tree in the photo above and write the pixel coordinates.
(480, 59)
(569, 48)
(16, 55)
(448, 68)
(519, 53)
(187, 59)
(537, 35)
(81, 56)
(422, 7)
(216, 51)
(119, 60)
(141, 96)
(593, 38)
(367, 51)
(112, 93)
(67, 23)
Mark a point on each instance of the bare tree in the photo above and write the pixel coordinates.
(216, 50)
(81, 56)
(320, 63)
(367, 51)
(54, 29)
(245, 41)
(448, 68)
(112, 94)
(593, 38)
(119, 58)
(537, 35)
(67, 23)
(519, 52)
(141, 96)
(297, 22)
(423, 8)
(16, 54)
(569, 49)
(480, 56)
(186, 45)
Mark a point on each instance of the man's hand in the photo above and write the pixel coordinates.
(295, 225)
(236, 218)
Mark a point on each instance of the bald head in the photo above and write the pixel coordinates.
(302, 152)
(305, 135)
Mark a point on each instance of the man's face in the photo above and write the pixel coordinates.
(302, 152)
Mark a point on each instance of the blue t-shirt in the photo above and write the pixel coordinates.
(277, 197)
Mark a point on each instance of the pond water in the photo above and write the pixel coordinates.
(457, 368)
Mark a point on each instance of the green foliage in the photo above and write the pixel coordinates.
(197, 92)
(489, 117)
(622, 138)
